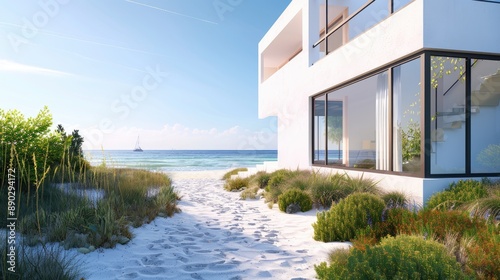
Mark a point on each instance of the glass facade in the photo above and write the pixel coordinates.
(351, 18)
(319, 130)
(377, 123)
(356, 127)
(485, 116)
(448, 119)
(406, 115)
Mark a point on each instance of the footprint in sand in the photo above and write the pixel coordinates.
(131, 275)
(152, 270)
(181, 258)
(173, 239)
(194, 267)
(152, 260)
(203, 251)
(196, 276)
(158, 241)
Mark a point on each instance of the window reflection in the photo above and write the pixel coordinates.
(485, 116)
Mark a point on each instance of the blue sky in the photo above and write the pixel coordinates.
(182, 74)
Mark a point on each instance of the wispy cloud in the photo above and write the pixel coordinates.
(11, 66)
(171, 12)
(72, 38)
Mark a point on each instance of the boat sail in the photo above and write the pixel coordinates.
(137, 147)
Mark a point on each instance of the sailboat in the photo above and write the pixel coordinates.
(137, 147)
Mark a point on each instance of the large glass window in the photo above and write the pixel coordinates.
(362, 14)
(335, 131)
(356, 126)
(352, 125)
(406, 117)
(369, 17)
(319, 143)
(485, 116)
(448, 122)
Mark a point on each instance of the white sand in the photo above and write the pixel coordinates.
(217, 236)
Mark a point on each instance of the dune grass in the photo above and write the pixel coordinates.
(232, 172)
(43, 262)
(87, 207)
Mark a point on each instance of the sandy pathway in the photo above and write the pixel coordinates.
(217, 236)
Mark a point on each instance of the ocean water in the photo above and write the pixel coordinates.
(181, 160)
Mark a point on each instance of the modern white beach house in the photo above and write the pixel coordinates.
(404, 92)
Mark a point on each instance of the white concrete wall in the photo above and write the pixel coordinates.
(462, 25)
(287, 93)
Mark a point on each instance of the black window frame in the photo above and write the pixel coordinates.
(425, 60)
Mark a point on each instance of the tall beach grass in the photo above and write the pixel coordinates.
(79, 206)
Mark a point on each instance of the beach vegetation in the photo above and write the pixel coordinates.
(262, 179)
(44, 262)
(279, 176)
(61, 198)
(328, 189)
(295, 196)
(250, 193)
(396, 199)
(232, 172)
(236, 184)
(401, 257)
(357, 212)
(457, 194)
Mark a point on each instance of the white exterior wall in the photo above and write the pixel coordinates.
(462, 25)
(422, 24)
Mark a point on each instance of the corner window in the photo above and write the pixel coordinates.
(406, 117)
(319, 119)
(448, 120)
(485, 116)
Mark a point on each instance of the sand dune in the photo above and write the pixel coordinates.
(217, 236)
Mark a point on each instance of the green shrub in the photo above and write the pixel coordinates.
(401, 257)
(301, 181)
(487, 208)
(360, 184)
(357, 212)
(396, 221)
(261, 179)
(395, 199)
(76, 219)
(438, 224)
(457, 194)
(236, 184)
(278, 177)
(483, 254)
(233, 172)
(282, 180)
(250, 192)
(271, 195)
(326, 190)
(296, 196)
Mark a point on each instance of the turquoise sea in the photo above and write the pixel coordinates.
(181, 160)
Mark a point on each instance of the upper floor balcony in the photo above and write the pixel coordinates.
(321, 27)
